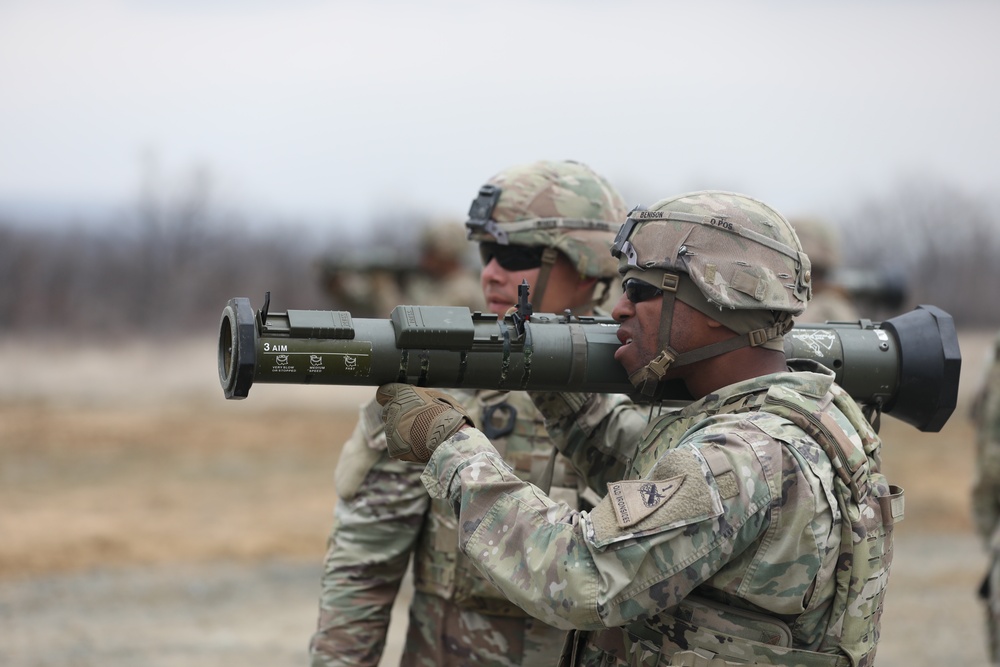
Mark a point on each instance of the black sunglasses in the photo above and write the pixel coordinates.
(511, 257)
(637, 290)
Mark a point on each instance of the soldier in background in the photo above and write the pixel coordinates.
(552, 224)
(986, 494)
(372, 282)
(830, 301)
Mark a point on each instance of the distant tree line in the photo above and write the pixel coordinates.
(168, 265)
(160, 268)
(944, 242)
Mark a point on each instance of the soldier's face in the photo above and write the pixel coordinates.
(565, 288)
(639, 332)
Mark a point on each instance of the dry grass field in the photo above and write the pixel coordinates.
(146, 520)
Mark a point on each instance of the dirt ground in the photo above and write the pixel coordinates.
(146, 520)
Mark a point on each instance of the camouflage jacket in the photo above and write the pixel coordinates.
(374, 293)
(986, 488)
(384, 516)
(723, 527)
(829, 305)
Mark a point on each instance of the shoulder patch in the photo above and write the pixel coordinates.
(634, 500)
(678, 494)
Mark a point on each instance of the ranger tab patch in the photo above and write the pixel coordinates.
(634, 500)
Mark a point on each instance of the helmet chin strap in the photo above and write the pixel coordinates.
(648, 378)
(549, 257)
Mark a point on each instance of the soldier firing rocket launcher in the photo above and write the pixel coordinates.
(907, 366)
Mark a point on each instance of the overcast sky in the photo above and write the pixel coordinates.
(341, 109)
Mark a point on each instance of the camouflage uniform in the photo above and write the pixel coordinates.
(459, 290)
(751, 527)
(384, 514)
(829, 303)
(731, 541)
(986, 493)
(373, 291)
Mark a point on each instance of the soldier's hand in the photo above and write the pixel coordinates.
(556, 405)
(417, 420)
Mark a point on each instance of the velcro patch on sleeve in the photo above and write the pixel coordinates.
(722, 469)
(634, 500)
(729, 485)
(680, 496)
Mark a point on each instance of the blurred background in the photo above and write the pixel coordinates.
(158, 158)
(208, 149)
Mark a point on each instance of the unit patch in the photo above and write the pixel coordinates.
(634, 500)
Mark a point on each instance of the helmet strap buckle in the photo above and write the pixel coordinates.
(659, 365)
(757, 337)
(647, 378)
(670, 282)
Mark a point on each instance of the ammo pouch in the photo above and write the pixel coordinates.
(713, 635)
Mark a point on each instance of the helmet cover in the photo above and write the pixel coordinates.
(555, 204)
(739, 252)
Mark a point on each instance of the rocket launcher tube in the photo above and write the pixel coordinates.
(907, 366)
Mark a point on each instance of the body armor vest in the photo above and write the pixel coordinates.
(705, 632)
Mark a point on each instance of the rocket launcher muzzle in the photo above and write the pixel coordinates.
(907, 366)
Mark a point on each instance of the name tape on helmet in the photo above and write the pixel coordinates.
(716, 221)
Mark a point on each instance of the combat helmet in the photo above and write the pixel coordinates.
(727, 255)
(821, 242)
(443, 238)
(560, 206)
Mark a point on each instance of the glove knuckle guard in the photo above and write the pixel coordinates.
(417, 420)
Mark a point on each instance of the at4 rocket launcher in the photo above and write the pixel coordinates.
(907, 366)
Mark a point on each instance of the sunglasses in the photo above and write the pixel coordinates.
(636, 290)
(511, 257)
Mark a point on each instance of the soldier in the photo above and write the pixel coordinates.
(443, 277)
(829, 302)
(753, 526)
(986, 494)
(552, 224)
(438, 275)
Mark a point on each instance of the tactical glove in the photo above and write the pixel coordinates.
(417, 420)
(557, 405)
